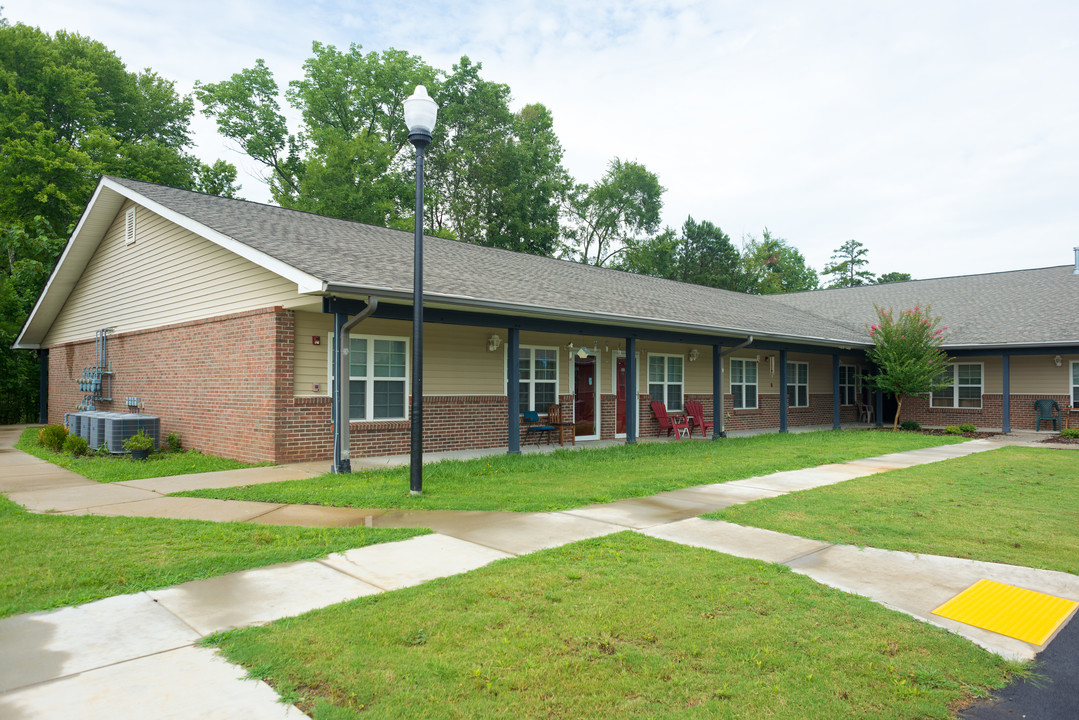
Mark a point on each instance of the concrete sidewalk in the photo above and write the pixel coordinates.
(123, 655)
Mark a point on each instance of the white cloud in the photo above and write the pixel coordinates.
(944, 136)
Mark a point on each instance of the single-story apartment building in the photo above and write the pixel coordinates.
(219, 316)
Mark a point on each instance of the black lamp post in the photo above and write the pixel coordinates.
(420, 115)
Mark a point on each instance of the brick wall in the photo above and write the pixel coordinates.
(989, 416)
(218, 383)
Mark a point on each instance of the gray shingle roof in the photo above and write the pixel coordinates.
(378, 259)
(996, 309)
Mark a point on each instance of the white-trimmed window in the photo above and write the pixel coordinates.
(538, 375)
(744, 383)
(377, 377)
(797, 384)
(1075, 383)
(966, 388)
(665, 380)
(848, 384)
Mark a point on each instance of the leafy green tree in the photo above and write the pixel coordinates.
(770, 266)
(492, 176)
(702, 255)
(846, 266)
(70, 111)
(614, 213)
(893, 277)
(908, 352)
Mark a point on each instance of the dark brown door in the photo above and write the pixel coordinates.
(584, 396)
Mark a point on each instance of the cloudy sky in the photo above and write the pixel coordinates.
(943, 135)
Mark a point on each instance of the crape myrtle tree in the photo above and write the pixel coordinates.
(907, 350)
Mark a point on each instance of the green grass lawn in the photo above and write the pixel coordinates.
(106, 469)
(1012, 505)
(572, 478)
(618, 627)
(52, 560)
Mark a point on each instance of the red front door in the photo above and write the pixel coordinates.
(584, 396)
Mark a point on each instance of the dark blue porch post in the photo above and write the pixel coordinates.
(717, 392)
(1006, 404)
(783, 391)
(513, 391)
(341, 455)
(631, 391)
(835, 391)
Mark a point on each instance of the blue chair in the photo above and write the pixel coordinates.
(1049, 411)
(532, 426)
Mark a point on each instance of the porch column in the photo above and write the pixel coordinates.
(1006, 403)
(835, 391)
(513, 391)
(783, 391)
(342, 462)
(717, 393)
(631, 391)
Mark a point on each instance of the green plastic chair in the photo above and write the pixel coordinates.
(1049, 411)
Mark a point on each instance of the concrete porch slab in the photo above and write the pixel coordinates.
(513, 533)
(258, 596)
(736, 540)
(78, 497)
(189, 682)
(42, 646)
(918, 584)
(184, 508)
(391, 566)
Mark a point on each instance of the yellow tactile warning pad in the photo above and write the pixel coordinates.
(1008, 610)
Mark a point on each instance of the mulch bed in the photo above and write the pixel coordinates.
(1060, 440)
(971, 435)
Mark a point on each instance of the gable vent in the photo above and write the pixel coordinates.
(129, 227)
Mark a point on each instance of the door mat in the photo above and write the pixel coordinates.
(1008, 610)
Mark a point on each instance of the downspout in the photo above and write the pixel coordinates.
(342, 462)
(719, 414)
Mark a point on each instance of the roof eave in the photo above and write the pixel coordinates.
(102, 208)
(598, 317)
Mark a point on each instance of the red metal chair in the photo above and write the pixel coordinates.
(696, 416)
(676, 423)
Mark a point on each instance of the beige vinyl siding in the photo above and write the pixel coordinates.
(455, 357)
(1039, 375)
(168, 275)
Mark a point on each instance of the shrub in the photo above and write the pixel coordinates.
(173, 442)
(968, 427)
(76, 445)
(139, 441)
(910, 425)
(953, 430)
(52, 437)
(1072, 433)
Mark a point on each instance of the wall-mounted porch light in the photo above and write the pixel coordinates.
(1058, 361)
(493, 343)
(694, 354)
